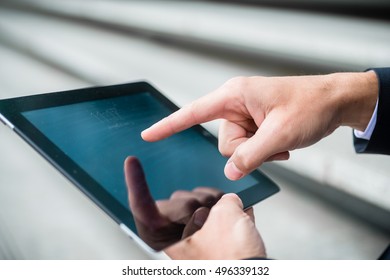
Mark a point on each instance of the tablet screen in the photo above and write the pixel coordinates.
(98, 135)
(88, 133)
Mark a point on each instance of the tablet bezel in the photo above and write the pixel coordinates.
(12, 109)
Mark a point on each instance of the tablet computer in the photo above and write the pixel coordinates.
(88, 133)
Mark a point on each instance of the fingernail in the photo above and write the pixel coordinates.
(232, 172)
(144, 133)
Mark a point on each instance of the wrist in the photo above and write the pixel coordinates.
(356, 95)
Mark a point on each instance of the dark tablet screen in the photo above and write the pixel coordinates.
(98, 135)
(88, 133)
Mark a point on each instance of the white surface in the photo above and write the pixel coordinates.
(106, 58)
(298, 225)
(44, 216)
(280, 33)
(6, 122)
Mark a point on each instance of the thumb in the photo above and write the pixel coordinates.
(196, 222)
(266, 144)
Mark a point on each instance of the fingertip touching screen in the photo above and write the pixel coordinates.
(88, 134)
(98, 135)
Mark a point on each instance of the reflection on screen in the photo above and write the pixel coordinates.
(99, 135)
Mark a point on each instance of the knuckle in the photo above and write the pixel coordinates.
(237, 83)
(191, 205)
(208, 201)
(224, 149)
(178, 194)
(232, 197)
(217, 210)
(194, 109)
(242, 160)
(212, 191)
(200, 189)
(227, 202)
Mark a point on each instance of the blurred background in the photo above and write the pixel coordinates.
(333, 203)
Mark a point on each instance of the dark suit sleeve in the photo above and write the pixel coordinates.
(380, 138)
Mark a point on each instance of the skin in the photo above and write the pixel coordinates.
(228, 233)
(264, 118)
(185, 226)
(164, 222)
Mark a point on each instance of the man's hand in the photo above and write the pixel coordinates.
(229, 233)
(265, 118)
(164, 222)
(224, 232)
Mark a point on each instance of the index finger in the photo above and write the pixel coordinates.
(141, 202)
(204, 109)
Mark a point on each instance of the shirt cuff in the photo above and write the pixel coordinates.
(366, 134)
